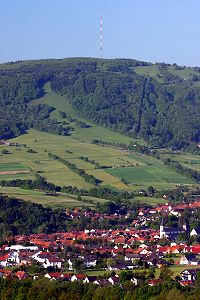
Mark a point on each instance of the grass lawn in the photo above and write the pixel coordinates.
(176, 269)
(150, 200)
(156, 175)
(107, 272)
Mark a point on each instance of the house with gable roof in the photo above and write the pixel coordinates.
(189, 259)
(195, 232)
(189, 274)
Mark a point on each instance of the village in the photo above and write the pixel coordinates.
(137, 250)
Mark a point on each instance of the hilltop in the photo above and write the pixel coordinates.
(159, 103)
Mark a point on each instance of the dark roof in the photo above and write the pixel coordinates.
(191, 271)
(133, 255)
(190, 256)
(92, 278)
(173, 229)
(115, 279)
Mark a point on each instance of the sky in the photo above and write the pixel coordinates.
(148, 30)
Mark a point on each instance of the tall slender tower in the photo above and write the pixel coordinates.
(101, 37)
(162, 234)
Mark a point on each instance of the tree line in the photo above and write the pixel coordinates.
(88, 178)
(44, 289)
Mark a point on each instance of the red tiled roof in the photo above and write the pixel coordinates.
(55, 274)
(155, 281)
(4, 257)
(186, 282)
(55, 259)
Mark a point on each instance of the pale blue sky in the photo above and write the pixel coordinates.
(149, 30)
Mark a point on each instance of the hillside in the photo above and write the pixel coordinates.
(109, 162)
(159, 103)
(19, 217)
(75, 122)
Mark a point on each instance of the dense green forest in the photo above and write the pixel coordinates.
(109, 93)
(20, 217)
(43, 289)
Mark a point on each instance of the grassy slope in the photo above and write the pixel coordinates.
(82, 134)
(60, 200)
(185, 73)
(149, 171)
(140, 170)
(188, 160)
(153, 71)
(144, 176)
(11, 167)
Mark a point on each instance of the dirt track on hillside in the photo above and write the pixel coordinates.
(14, 172)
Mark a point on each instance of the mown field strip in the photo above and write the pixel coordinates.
(60, 200)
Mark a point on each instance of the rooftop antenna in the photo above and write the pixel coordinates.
(101, 37)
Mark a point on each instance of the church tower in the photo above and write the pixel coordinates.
(162, 233)
(186, 227)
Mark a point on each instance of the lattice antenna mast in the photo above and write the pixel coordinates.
(101, 37)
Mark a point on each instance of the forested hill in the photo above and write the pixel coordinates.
(160, 103)
(20, 217)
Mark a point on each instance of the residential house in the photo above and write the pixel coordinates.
(189, 274)
(153, 282)
(66, 276)
(189, 259)
(53, 276)
(195, 232)
(90, 261)
(90, 279)
(136, 280)
(78, 277)
(4, 260)
(133, 257)
(54, 262)
(21, 275)
(21, 247)
(114, 279)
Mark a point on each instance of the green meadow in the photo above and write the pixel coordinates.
(157, 176)
(150, 200)
(11, 167)
(176, 271)
(82, 134)
(50, 200)
(153, 72)
(140, 171)
(188, 160)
